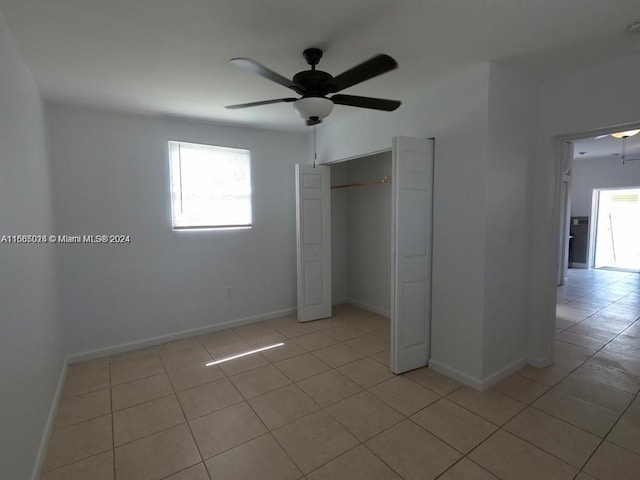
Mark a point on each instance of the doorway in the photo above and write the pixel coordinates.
(589, 164)
(616, 229)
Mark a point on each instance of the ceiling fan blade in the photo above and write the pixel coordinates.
(366, 102)
(371, 68)
(601, 136)
(259, 69)
(257, 104)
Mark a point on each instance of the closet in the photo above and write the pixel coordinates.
(361, 232)
(348, 226)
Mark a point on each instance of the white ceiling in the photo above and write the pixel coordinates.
(170, 57)
(606, 148)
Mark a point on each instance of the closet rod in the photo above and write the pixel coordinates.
(362, 184)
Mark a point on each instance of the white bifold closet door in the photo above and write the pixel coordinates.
(411, 225)
(411, 240)
(313, 235)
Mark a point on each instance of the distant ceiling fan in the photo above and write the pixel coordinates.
(314, 86)
(623, 136)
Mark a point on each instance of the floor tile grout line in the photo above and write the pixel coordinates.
(571, 372)
(57, 427)
(501, 429)
(580, 398)
(216, 410)
(584, 361)
(401, 413)
(185, 469)
(184, 416)
(270, 433)
(542, 448)
(151, 434)
(404, 417)
(360, 443)
(604, 437)
(465, 457)
(462, 454)
(528, 403)
(596, 353)
(482, 416)
(143, 403)
(565, 421)
(66, 397)
(84, 459)
(430, 389)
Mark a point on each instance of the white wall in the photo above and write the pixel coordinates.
(513, 116)
(31, 353)
(484, 122)
(362, 228)
(595, 98)
(369, 234)
(455, 112)
(603, 172)
(111, 176)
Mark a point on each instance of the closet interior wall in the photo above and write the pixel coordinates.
(361, 233)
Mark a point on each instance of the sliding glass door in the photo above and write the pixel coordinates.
(617, 228)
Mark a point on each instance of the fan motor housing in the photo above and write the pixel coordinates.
(313, 81)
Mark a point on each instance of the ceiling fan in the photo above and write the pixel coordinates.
(623, 136)
(314, 86)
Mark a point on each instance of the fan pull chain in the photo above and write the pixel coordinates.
(315, 153)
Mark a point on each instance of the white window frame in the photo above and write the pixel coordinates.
(177, 191)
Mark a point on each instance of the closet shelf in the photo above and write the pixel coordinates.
(362, 184)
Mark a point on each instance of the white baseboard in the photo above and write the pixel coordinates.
(368, 307)
(480, 384)
(539, 362)
(48, 428)
(148, 342)
(455, 374)
(502, 373)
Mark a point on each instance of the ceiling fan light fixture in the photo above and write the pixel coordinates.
(310, 107)
(627, 134)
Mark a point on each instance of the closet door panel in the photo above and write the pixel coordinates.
(313, 241)
(411, 252)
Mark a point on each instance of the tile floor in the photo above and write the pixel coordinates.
(325, 405)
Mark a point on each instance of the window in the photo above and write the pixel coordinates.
(210, 186)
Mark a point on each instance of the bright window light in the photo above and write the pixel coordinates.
(210, 186)
(244, 354)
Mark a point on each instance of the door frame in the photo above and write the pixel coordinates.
(547, 304)
(392, 317)
(565, 210)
